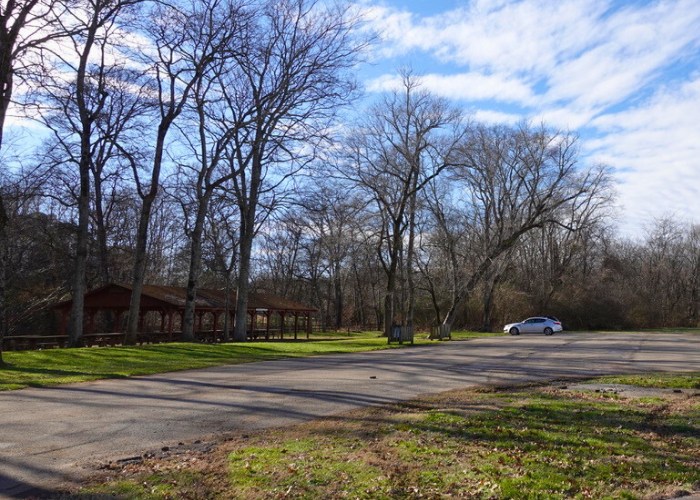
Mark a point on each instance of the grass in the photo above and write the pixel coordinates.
(64, 366)
(535, 442)
(660, 380)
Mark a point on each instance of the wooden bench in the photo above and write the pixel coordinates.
(401, 334)
(440, 332)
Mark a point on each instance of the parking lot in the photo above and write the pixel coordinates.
(57, 434)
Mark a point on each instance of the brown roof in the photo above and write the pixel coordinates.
(118, 296)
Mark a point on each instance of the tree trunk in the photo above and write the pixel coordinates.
(389, 302)
(239, 328)
(101, 233)
(489, 288)
(140, 255)
(247, 208)
(410, 308)
(195, 269)
(6, 77)
(75, 325)
(391, 272)
(227, 309)
(359, 314)
(139, 273)
(6, 88)
(338, 293)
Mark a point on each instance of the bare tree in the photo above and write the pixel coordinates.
(186, 42)
(25, 26)
(221, 243)
(662, 280)
(75, 107)
(39, 244)
(516, 179)
(330, 215)
(289, 81)
(408, 140)
(207, 134)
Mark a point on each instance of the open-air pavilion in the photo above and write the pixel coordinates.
(162, 310)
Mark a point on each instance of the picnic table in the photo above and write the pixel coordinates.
(32, 342)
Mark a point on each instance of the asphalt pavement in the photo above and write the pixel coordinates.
(50, 437)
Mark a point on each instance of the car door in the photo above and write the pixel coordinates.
(539, 325)
(529, 325)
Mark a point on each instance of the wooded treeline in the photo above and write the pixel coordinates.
(210, 143)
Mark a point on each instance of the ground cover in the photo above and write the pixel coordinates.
(63, 366)
(551, 441)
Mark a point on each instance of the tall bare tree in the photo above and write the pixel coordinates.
(515, 179)
(289, 80)
(26, 26)
(187, 41)
(330, 215)
(207, 133)
(76, 92)
(408, 140)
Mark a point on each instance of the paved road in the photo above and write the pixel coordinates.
(54, 435)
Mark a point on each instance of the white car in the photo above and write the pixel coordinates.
(538, 324)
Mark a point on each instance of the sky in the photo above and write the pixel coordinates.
(624, 75)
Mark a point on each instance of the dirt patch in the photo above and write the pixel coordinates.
(632, 391)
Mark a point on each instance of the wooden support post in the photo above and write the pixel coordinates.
(215, 324)
(296, 324)
(64, 321)
(171, 321)
(91, 321)
(118, 321)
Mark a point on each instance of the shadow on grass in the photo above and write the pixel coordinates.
(528, 445)
(599, 440)
(40, 377)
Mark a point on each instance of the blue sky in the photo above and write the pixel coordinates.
(625, 75)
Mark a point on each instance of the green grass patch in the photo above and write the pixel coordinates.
(659, 380)
(303, 466)
(64, 366)
(521, 444)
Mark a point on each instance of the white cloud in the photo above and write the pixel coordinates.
(495, 117)
(578, 54)
(506, 36)
(464, 86)
(655, 148)
(631, 47)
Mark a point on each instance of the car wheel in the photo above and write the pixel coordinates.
(514, 331)
(548, 331)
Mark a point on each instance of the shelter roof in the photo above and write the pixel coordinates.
(157, 297)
